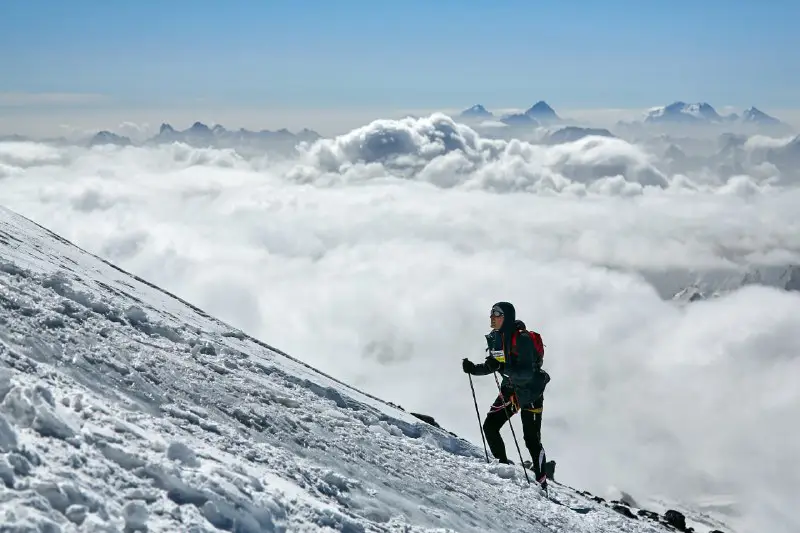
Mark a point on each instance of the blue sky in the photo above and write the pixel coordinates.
(413, 53)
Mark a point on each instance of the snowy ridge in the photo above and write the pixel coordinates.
(682, 110)
(124, 408)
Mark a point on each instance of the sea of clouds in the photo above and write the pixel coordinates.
(376, 255)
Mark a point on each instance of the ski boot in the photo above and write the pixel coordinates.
(541, 481)
(550, 470)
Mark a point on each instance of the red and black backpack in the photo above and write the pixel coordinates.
(535, 337)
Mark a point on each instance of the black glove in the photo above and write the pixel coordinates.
(468, 366)
(492, 363)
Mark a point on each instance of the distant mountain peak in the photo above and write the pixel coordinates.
(107, 137)
(680, 111)
(674, 152)
(690, 294)
(199, 127)
(753, 114)
(476, 111)
(542, 111)
(575, 133)
(200, 134)
(519, 119)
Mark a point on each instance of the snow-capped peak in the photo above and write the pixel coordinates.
(703, 113)
(683, 112)
(476, 111)
(755, 115)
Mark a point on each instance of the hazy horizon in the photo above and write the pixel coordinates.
(73, 123)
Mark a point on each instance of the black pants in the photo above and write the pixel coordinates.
(531, 416)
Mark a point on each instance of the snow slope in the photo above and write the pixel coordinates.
(124, 408)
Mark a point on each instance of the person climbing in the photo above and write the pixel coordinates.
(513, 353)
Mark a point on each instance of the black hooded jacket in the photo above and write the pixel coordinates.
(519, 365)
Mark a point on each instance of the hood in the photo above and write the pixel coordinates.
(510, 316)
(497, 340)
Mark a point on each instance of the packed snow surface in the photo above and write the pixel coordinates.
(124, 408)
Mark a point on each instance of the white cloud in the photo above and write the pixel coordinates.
(375, 256)
(440, 151)
(134, 131)
(762, 142)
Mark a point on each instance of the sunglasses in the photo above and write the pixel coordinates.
(496, 312)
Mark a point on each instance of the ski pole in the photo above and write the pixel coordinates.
(477, 412)
(513, 433)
